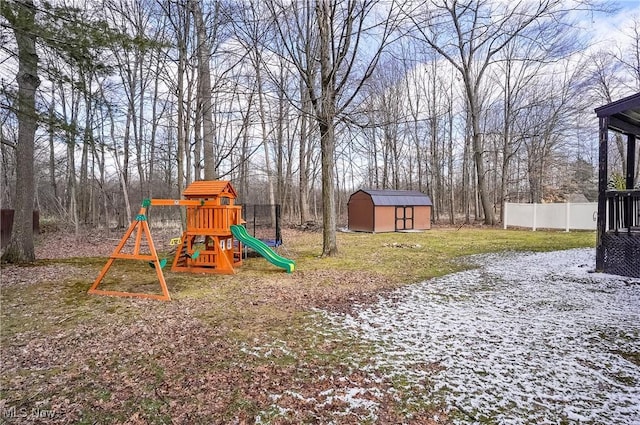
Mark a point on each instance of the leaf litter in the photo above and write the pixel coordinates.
(219, 355)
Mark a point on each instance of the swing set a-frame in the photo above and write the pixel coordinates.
(206, 246)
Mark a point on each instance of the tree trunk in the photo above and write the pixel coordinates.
(466, 176)
(52, 153)
(197, 137)
(154, 129)
(22, 17)
(279, 149)
(478, 153)
(303, 156)
(84, 207)
(182, 51)
(452, 197)
(204, 94)
(435, 151)
(139, 134)
(327, 146)
(326, 122)
(263, 128)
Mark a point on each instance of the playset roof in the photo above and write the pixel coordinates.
(206, 189)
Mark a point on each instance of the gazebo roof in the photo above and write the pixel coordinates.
(623, 114)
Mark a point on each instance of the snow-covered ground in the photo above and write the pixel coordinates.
(524, 338)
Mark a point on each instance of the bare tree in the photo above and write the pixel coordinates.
(521, 61)
(204, 84)
(180, 24)
(604, 76)
(8, 142)
(628, 54)
(20, 16)
(627, 57)
(340, 28)
(251, 34)
(546, 124)
(470, 35)
(305, 153)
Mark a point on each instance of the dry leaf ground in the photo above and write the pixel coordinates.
(245, 348)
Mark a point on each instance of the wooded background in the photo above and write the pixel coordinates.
(473, 102)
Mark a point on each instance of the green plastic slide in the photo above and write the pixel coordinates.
(262, 248)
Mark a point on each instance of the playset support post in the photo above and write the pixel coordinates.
(141, 228)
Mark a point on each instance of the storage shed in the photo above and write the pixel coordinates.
(389, 210)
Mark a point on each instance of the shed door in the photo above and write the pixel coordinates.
(404, 218)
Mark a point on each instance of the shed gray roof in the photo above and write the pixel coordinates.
(398, 197)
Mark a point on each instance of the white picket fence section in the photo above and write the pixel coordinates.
(567, 216)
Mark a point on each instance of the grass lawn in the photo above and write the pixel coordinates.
(244, 348)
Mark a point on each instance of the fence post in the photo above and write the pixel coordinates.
(534, 224)
(566, 216)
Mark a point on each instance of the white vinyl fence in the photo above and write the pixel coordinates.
(567, 216)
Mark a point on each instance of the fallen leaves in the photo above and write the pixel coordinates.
(247, 348)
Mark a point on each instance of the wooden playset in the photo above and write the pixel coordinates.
(207, 245)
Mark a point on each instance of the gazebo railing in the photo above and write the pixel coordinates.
(623, 207)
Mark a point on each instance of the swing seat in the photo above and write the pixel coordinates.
(195, 254)
(163, 263)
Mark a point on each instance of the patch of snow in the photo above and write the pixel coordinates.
(354, 398)
(530, 338)
(276, 349)
(298, 396)
(274, 413)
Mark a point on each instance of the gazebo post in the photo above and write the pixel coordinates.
(602, 189)
(631, 161)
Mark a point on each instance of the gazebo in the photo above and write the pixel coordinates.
(618, 238)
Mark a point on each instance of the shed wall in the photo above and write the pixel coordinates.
(422, 217)
(385, 219)
(360, 212)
